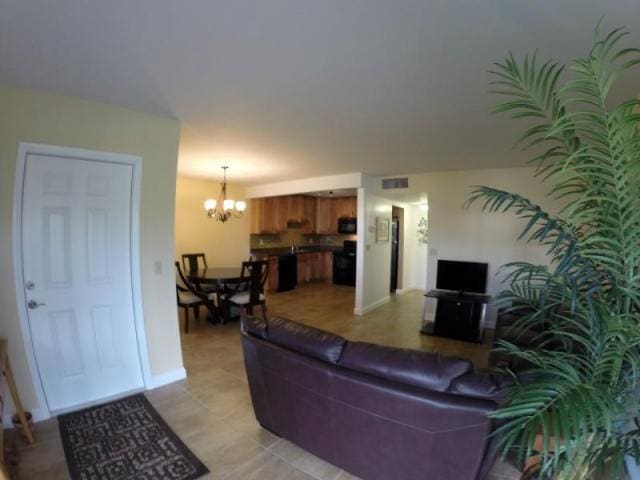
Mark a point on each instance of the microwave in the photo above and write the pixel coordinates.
(348, 225)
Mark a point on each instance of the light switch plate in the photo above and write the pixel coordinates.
(157, 267)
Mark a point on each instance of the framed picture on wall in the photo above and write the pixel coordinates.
(382, 230)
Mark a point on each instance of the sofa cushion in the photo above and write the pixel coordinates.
(255, 326)
(483, 384)
(411, 367)
(304, 339)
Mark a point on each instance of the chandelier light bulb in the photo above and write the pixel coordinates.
(228, 204)
(241, 206)
(210, 204)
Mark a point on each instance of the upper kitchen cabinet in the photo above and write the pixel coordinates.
(265, 217)
(257, 214)
(309, 214)
(296, 209)
(320, 215)
(347, 207)
(283, 211)
(326, 216)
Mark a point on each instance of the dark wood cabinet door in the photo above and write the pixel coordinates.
(304, 267)
(296, 206)
(269, 224)
(283, 209)
(328, 267)
(334, 205)
(352, 207)
(272, 280)
(308, 214)
(257, 215)
(323, 215)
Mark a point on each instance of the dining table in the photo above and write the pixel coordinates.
(220, 276)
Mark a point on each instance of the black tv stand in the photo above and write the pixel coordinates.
(459, 315)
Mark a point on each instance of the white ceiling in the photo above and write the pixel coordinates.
(285, 89)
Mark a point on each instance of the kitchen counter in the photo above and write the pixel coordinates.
(261, 253)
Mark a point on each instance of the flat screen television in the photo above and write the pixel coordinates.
(468, 277)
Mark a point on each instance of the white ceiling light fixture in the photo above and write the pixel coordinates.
(224, 208)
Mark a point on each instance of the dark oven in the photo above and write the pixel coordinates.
(344, 264)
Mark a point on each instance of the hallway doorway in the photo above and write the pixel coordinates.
(397, 240)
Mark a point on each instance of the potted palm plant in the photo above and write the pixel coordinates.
(581, 398)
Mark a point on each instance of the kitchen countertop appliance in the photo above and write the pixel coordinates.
(344, 264)
(287, 272)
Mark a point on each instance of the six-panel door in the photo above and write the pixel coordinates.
(76, 249)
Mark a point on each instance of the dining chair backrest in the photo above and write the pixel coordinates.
(193, 261)
(255, 272)
(182, 284)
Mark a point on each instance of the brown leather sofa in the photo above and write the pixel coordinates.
(378, 412)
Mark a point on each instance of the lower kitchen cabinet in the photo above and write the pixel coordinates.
(272, 279)
(312, 267)
(303, 268)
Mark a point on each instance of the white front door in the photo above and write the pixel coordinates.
(76, 254)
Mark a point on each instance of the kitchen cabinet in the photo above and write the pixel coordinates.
(271, 215)
(311, 267)
(315, 266)
(266, 216)
(272, 279)
(296, 209)
(282, 210)
(261, 220)
(257, 211)
(326, 216)
(303, 268)
(327, 267)
(309, 214)
(347, 207)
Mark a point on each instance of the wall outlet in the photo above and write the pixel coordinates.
(157, 267)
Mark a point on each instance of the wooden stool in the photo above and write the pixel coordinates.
(5, 369)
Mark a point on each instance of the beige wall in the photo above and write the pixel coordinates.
(465, 234)
(225, 244)
(36, 117)
(376, 267)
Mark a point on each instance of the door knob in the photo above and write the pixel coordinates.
(32, 304)
(29, 285)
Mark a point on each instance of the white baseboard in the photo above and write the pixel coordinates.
(167, 377)
(371, 306)
(412, 288)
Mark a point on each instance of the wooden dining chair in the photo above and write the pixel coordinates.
(192, 262)
(188, 297)
(254, 274)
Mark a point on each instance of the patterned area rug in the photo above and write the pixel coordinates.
(125, 439)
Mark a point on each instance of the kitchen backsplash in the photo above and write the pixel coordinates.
(294, 236)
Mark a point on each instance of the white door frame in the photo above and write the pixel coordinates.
(24, 150)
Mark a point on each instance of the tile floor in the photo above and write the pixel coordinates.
(211, 409)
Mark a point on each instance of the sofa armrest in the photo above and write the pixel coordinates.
(483, 384)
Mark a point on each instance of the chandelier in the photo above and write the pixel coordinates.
(224, 208)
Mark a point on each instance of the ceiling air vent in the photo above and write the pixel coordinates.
(389, 183)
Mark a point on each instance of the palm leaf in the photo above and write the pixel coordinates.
(582, 312)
